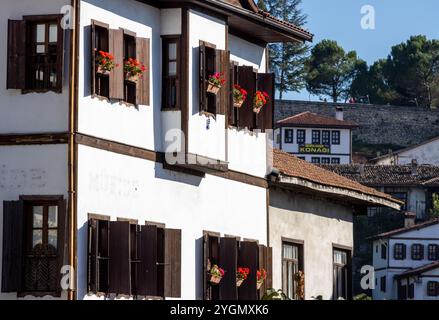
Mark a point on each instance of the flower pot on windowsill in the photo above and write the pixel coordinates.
(257, 109)
(133, 78)
(212, 88)
(238, 104)
(215, 279)
(101, 70)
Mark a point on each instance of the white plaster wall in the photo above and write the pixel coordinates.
(421, 288)
(317, 222)
(425, 154)
(391, 285)
(33, 112)
(247, 152)
(247, 53)
(31, 170)
(170, 21)
(114, 121)
(121, 186)
(208, 142)
(378, 262)
(341, 151)
(416, 202)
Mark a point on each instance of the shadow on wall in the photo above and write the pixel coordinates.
(81, 281)
(178, 177)
(199, 294)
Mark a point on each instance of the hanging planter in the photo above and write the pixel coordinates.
(261, 276)
(133, 69)
(260, 100)
(104, 62)
(241, 276)
(215, 82)
(239, 96)
(216, 274)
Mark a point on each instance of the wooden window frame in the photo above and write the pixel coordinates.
(328, 137)
(299, 138)
(336, 137)
(335, 160)
(383, 251)
(417, 251)
(206, 107)
(314, 135)
(299, 262)
(166, 40)
(433, 254)
(289, 139)
(326, 160)
(315, 160)
(30, 21)
(432, 288)
(96, 78)
(348, 266)
(383, 284)
(398, 251)
(128, 84)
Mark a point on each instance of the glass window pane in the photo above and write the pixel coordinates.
(53, 238)
(288, 251)
(37, 237)
(41, 32)
(53, 33)
(37, 212)
(53, 217)
(172, 51)
(41, 48)
(172, 68)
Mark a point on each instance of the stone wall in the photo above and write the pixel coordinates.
(379, 124)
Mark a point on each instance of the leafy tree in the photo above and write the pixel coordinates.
(330, 70)
(261, 5)
(287, 59)
(434, 212)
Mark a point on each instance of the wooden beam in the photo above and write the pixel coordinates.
(34, 138)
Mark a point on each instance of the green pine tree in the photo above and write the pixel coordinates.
(287, 59)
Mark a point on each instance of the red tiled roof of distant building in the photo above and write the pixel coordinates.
(316, 120)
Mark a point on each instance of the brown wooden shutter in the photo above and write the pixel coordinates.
(269, 267)
(231, 118)
(63, 238)
(172, 277)
(92, 254)
(264, 119)
(13, 234)
(93, 47)
(222, 65)
(211, 257)
(143, 55)
(262, 265)
(404, 251)
(120, 275)
(116, 76)
(202, 75)
(228, 258)
(60, 57)
(147, 276)
(247, 80)
(16, 74)
(248, 258)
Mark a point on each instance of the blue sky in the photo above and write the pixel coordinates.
(396, 21)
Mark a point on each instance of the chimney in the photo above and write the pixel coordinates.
(362, 166)
(414, 167)
(339, 113)
(409, 219)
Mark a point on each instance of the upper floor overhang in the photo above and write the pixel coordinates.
(245, 19)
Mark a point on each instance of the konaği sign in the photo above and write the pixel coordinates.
(315, 149)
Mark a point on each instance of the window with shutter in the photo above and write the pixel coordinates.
(147, 273)
(292, 263)
(116, 76)
(208, 64)
(248, 257)
(143, 84)
(171, 72)
(34, 245)
(222, 66)
(433, 252)
(417, 251)
(120, 268)
(35, 54)
(98, 256)
(399, 251)
(172, 263)
(232, 113)
(129, 52)
(100, 42)
(265, 83)
(228, 259)
(411, 293)
(210, 258)
(247, 81)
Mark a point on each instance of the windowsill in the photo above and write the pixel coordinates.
(27, 91)
(39, 294)
(207, 114)
(170, 109)
(127, 104)
(101, 98)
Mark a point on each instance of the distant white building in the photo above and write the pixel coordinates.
(426, 152)
(316, 138)
(406, 262)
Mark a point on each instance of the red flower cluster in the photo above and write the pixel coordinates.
(261, 99)
(105, 61)
(242, 273)
(134, 67)
(239, 94)
(217, 79)
(261, 275)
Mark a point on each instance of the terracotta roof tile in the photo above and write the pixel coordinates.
(309, 118)
(387, 175)
(292, 166)
(402, 230)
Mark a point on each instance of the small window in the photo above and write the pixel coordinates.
(292, 263)
(335, 161)
(411, 294)
(433, 253)
(208, 67)
(399, 251)
(316, 136)
(129, 52)
(170, 73)
(301, 136)
(417, 251)
(383, 284)
(102, 79)
(432, 288)
(326, 160)
(315, 160)
(336, 137)
(400, 196)
(289, 134)
(326, 137)
(383, 251)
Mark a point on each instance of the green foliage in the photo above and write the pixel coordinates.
(434, 212)
(273, 294)
(287, 59)
(330, 70)
(362, 296)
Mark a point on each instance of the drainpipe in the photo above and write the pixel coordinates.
(72, 147)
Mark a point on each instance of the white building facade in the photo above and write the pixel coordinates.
(406, 263)
(140, 185)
